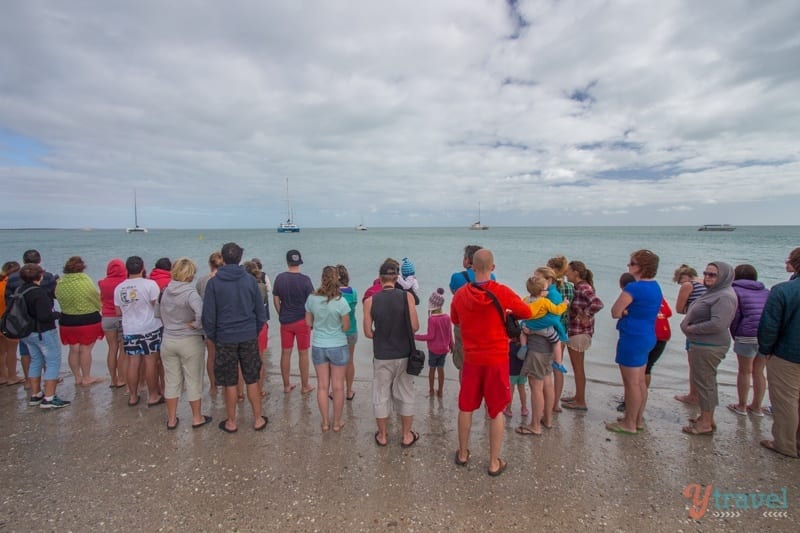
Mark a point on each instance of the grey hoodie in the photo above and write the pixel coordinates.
(181, 305)
(709, 318)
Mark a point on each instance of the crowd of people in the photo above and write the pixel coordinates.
(169, 328)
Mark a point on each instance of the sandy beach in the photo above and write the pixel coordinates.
(100, 465)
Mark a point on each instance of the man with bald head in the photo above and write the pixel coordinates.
(484, 374)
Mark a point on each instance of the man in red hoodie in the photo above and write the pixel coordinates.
(484, 375)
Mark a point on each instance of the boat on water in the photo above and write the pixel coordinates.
(477, 224)
(289, 226)
(716, 227)
(136, 227)
(361, 227)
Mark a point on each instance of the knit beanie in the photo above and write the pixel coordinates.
(436, 301)
(407, 268)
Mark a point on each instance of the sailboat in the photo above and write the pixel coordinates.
(477, 224)
(289, 226)
(361, 226)
(136, 227)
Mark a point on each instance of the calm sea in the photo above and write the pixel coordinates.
(436, 253)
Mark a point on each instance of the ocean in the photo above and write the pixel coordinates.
(436, 254)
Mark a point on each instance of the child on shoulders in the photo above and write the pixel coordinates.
(408, 277)
(545, 319)
(439, 338)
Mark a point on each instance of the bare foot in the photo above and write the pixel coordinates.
(91, 380)
(685, 398)
(439, 393)
(325, 427)
(337, 426)
(431, 393)
(557, 409)
(289, 388)
(308, 389)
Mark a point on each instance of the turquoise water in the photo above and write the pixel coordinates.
(437, 252)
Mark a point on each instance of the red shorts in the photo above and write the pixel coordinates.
(298, 329)
(484, 382)
(263, 335)
(83, 335)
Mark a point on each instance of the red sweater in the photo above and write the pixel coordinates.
(483, 331)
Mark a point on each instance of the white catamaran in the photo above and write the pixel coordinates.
(289, 226)
(136, 227)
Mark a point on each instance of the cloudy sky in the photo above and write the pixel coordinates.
(399, 113)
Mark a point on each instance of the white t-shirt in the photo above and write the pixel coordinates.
(136, 297)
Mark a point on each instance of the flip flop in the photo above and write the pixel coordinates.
(134, 404)
(759, 413)
(458, 460)
(503, 465)
(694, 421)
(225, 429)
(616, 428)
(735, 408)
(177, 420)
(413, 441)
(525, 430)
(573, 407)
(261, 428)
(350, 398)
(206, 420)
(159, 402)
(692, 430)
(112, 386)
(379, 443)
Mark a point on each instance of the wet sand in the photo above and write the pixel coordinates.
(100, 465)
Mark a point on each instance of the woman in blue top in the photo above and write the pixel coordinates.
(636, 308)
(328, 314)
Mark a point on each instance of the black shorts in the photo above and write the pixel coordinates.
(230, 357)
(654, 355)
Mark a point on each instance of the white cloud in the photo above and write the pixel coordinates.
(370, 108)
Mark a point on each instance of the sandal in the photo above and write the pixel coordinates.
(736, 409)
(414, 440)
(692, 430)
(495, 473)
(379, 443)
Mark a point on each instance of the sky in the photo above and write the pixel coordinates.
(559, 112)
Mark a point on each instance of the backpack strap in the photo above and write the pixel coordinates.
(466, 276)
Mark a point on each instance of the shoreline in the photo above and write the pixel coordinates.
(116, 467)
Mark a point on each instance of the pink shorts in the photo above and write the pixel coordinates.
(299, 330)
(263, 336)
(484, 382)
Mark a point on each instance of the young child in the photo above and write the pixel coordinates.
(543, 308)
(514, 369)
(408, 278)
(439, 338)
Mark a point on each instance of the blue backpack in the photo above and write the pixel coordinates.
(16, 322)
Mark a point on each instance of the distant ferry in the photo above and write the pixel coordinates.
(716, 227)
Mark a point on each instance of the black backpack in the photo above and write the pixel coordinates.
(16, 322)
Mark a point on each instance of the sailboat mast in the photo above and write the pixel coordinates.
(135, 211)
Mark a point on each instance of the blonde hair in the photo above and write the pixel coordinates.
(329, 284)
(183, 269)
(535, 286)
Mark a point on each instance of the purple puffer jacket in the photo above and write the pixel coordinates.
(752, 297)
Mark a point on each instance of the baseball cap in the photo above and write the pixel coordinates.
(293, 258)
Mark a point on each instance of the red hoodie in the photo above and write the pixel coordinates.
(161, 277)
(115, 274)
(483, 331)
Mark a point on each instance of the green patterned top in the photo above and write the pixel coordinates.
(77, 294)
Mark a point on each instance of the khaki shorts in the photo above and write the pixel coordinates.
(537, 365)
(184, 365)
(458, 347)
(391, 384)
(580, 343)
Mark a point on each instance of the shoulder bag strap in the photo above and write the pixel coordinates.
(407, 314)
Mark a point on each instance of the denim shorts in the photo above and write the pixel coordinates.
(436, 360)
(337, 356)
